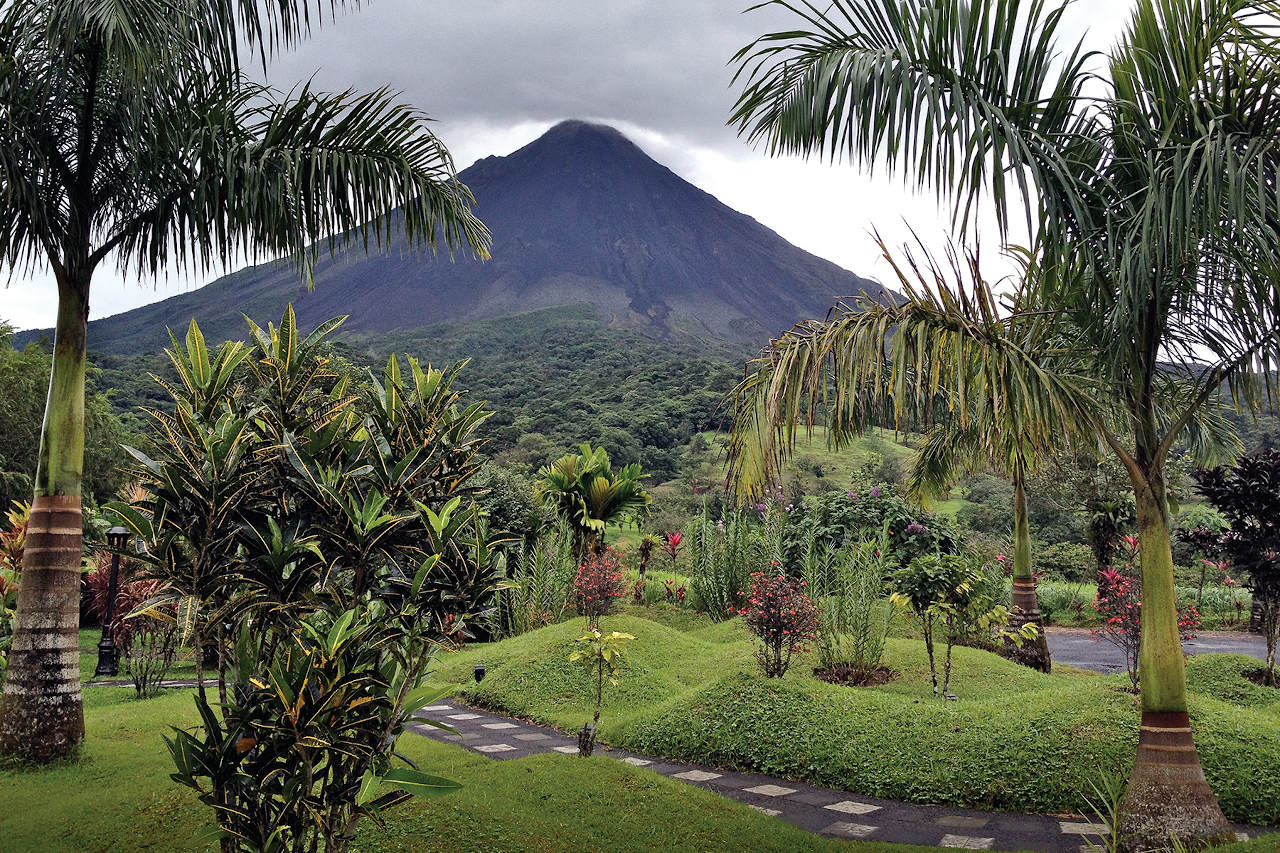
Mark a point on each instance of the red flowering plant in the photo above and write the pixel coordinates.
(675, 592)
(671, 545)
(782, 616)
(1119, 605)
(598, 585)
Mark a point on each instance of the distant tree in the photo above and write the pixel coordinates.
(133, 135)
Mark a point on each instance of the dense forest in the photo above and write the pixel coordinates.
(557, 377)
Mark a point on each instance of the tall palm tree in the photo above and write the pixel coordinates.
(133, 136)
(584, 489)
(1148, 190)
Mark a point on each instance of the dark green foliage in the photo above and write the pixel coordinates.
(836, 519)
(990, 505)
(312, 531)
(1248, 496)
(24, 385)
(1066, 561)
(509, 502)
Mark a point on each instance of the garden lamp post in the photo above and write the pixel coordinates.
(479, 672)
(108, 664)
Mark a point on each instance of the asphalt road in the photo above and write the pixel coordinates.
(1077, 647)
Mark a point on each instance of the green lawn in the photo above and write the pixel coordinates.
(1015, 739)
(117, 797)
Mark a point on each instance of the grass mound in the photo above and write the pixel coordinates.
(1016, 739)
(1223, 677)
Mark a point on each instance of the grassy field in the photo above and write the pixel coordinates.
(117, 797)
(691, 692)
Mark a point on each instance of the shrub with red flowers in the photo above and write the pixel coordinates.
(782, 616)
(1119, 604)
(675, 592)
(598, 585)
(671, 545)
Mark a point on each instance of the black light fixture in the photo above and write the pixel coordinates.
(108, 664)
(480, 671)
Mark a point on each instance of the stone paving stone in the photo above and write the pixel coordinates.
(464, 716)
(961, 821)
(1242, 836)
(567, 750)
(636, 762)
(531, 736)
(849, 830)
(1082, 827)
(770, 790)
(814, 798)
(499, 726)
(437, 708)
(697, 775)
(763, 810)
(495, 747)
(966, 842)
(852, 807)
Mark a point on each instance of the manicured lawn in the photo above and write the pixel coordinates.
(117, 797)
(1015, 739)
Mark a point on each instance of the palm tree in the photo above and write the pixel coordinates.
(1148, 191)
(585, 490)
(1000, 388)
(133, 136)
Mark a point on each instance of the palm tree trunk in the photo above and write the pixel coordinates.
(1167, 795)
(41, 717)
(1025, 607)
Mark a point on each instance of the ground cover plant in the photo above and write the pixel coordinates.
(692, 691)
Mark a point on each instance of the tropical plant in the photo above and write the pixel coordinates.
(311, 530)
(1248, 496)
(720, 558)
(671, 545)
(134, 135)
(584, 490)
(1153, 237)
(540, 582)
(782, 617)
(602, 656)
(12, 543)
(645, 550)
(1119, 606)
(951, 591)
(598, 585)
(854, 612)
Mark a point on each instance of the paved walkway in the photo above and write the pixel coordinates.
(1077, 647)
(826, 811)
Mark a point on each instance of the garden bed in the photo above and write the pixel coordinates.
(1015, 739)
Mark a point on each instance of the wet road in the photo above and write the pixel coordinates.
(1077, 647)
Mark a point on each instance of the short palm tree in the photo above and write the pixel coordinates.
(585, 490)
(133, 136)
(1148, 189)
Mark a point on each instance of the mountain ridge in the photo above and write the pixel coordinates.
(581, 214)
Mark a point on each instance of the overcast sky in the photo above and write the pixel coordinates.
(496, 73)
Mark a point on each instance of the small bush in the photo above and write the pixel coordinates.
(720, 556)
(854, 614)
(781, 616)
(598, 585)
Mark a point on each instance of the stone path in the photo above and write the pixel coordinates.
(826, 811)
